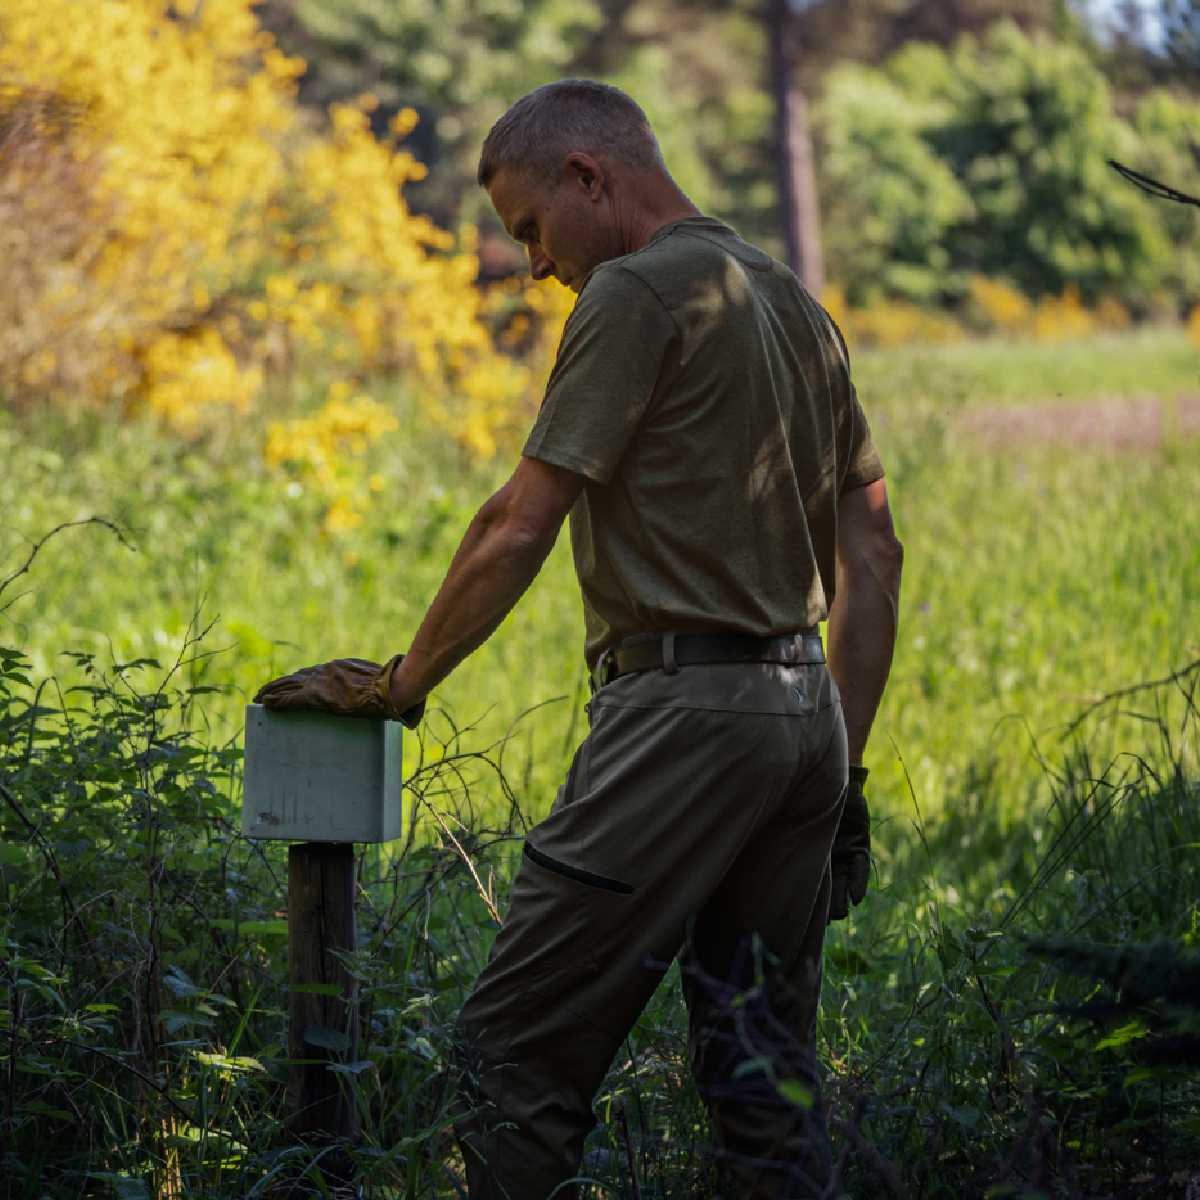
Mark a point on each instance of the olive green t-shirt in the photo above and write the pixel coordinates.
(707, 399)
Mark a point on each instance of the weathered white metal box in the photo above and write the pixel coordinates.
(315, 777)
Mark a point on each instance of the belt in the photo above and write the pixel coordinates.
(670, 651)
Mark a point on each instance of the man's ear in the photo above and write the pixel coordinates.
(587, 173)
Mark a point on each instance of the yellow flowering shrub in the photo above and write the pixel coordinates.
(889, 322)
(185, 375)
(1057, 318)
(173, 232)
(324, 448)
(991, 306)
(998, 305)
(176, 109)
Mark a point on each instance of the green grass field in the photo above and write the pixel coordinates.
(1039, 578)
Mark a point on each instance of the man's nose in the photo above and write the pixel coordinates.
(540, 267)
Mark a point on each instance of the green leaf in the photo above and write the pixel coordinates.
(230, 1062)
(966, 1115)
(174, 1021)
(277, 927)
(1140, 1075)
(327, 1038)
(177, 982)
(846, 960)
(795, 1092)
(125, 1186)
(13, 854)
(354, 1068)
(423, 1047)
(1122, 1036)
(316, 989)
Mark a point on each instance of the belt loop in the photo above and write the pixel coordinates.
(605, 670)
(670, 666)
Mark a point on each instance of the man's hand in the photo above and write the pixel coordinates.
(850, 859)
(350, 687)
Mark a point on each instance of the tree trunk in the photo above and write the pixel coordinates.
(793, 140)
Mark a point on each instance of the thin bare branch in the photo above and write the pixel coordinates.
(1133, 689)
(1152, 187)
(110, 525)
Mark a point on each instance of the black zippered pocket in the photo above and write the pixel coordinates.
(575, 873)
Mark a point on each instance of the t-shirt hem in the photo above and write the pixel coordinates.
(854, 482)
(572, 462)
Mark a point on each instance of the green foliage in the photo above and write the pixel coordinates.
(144, 995)
(143, 990)
(991, 158)
(890, 200)
(990, 1083)
(1154, 1005)
(1167, 129)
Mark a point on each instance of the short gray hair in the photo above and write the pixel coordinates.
(540, 129)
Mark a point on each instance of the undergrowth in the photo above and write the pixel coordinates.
(1027, 1039)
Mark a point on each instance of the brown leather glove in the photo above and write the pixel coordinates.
(350, 687)
(850, 859)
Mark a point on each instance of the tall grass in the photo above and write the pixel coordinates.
(1035, 805)
(1036, 579)
(145, 992)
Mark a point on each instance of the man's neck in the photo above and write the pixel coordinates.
(652, 206)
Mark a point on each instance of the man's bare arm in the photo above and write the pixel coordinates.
(499, 557)
(864, 616)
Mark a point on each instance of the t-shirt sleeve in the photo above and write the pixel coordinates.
(863, 464)
(613, 349)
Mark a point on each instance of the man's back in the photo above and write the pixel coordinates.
(706, 397)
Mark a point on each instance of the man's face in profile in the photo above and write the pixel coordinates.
(564, 225)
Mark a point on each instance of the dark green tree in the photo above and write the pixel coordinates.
(992, 157)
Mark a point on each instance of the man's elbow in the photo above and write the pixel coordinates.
(527, 540)
(519, 535)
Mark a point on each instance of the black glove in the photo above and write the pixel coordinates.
(850, 859)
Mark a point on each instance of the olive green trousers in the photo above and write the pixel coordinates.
(697, 818)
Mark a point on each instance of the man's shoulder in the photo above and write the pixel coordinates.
(695, 254)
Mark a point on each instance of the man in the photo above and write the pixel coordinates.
(701, 429)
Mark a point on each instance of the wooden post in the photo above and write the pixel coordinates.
(324, 1027)
(322, 783)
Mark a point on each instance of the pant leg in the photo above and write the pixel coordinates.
(751, 979)
(661, 800)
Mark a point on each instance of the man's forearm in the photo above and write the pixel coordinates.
(862, 636)
(490, 571)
